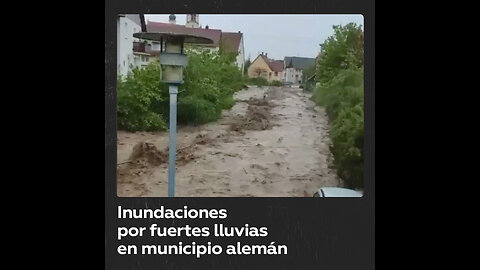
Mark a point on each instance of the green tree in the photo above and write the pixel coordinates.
(340, 73)
(341, 51)
(247, 65)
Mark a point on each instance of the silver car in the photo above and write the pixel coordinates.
(337, 192)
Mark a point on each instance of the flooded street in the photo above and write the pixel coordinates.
(272, 143)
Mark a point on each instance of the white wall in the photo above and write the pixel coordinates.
(141, 60)
(155, 46)
(291, 75)
(125, 29)
(241, 56)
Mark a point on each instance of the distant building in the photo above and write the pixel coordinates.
(231, 41)
(192, 21)
(131, 52)
(294, 67)
(262, 66)
(144, 53)
(127, 24)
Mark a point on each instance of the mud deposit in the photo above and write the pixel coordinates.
(258, 116)
(272, 143)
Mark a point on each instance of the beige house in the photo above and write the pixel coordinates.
(262, 66)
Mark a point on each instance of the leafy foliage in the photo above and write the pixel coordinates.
(347, 136)
(210, 80)
(341, 51)
(261, 81)
(342, 91)
(307, 73)
(258, 81)
(247, 65)
(340, 73)
(135, 94)
(276, 83)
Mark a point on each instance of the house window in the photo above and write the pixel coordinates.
(276, 73)
(296, 76)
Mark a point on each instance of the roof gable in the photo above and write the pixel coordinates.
(259, 58)
(299, 62)
(231, 41)
(274, 65)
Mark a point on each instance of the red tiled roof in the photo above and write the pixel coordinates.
(213, 34)
(231, 41)
(276, 65)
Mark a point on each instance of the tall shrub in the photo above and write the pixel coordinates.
(135, 94)
(341, 51)
(340, 74)
(210, 80)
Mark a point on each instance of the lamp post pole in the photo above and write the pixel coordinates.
(172, 60)
(173, 90)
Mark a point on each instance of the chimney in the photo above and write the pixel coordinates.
(266, 55)
(206, 27)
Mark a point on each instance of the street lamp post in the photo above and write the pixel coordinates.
(172, 61)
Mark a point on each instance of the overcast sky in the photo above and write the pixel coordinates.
(277, 35)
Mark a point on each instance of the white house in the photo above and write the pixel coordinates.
(127, 24)
(131, 52)
(294, 67)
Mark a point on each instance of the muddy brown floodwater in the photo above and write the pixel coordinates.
(272, 143)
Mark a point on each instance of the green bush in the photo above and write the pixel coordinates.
(307, 74)
(258, 81)
(347, 138)
(210, 80)
(135, 94)
(276, 83)
(341, 91)
(196, 110)
(309, 86)
(227, 102)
